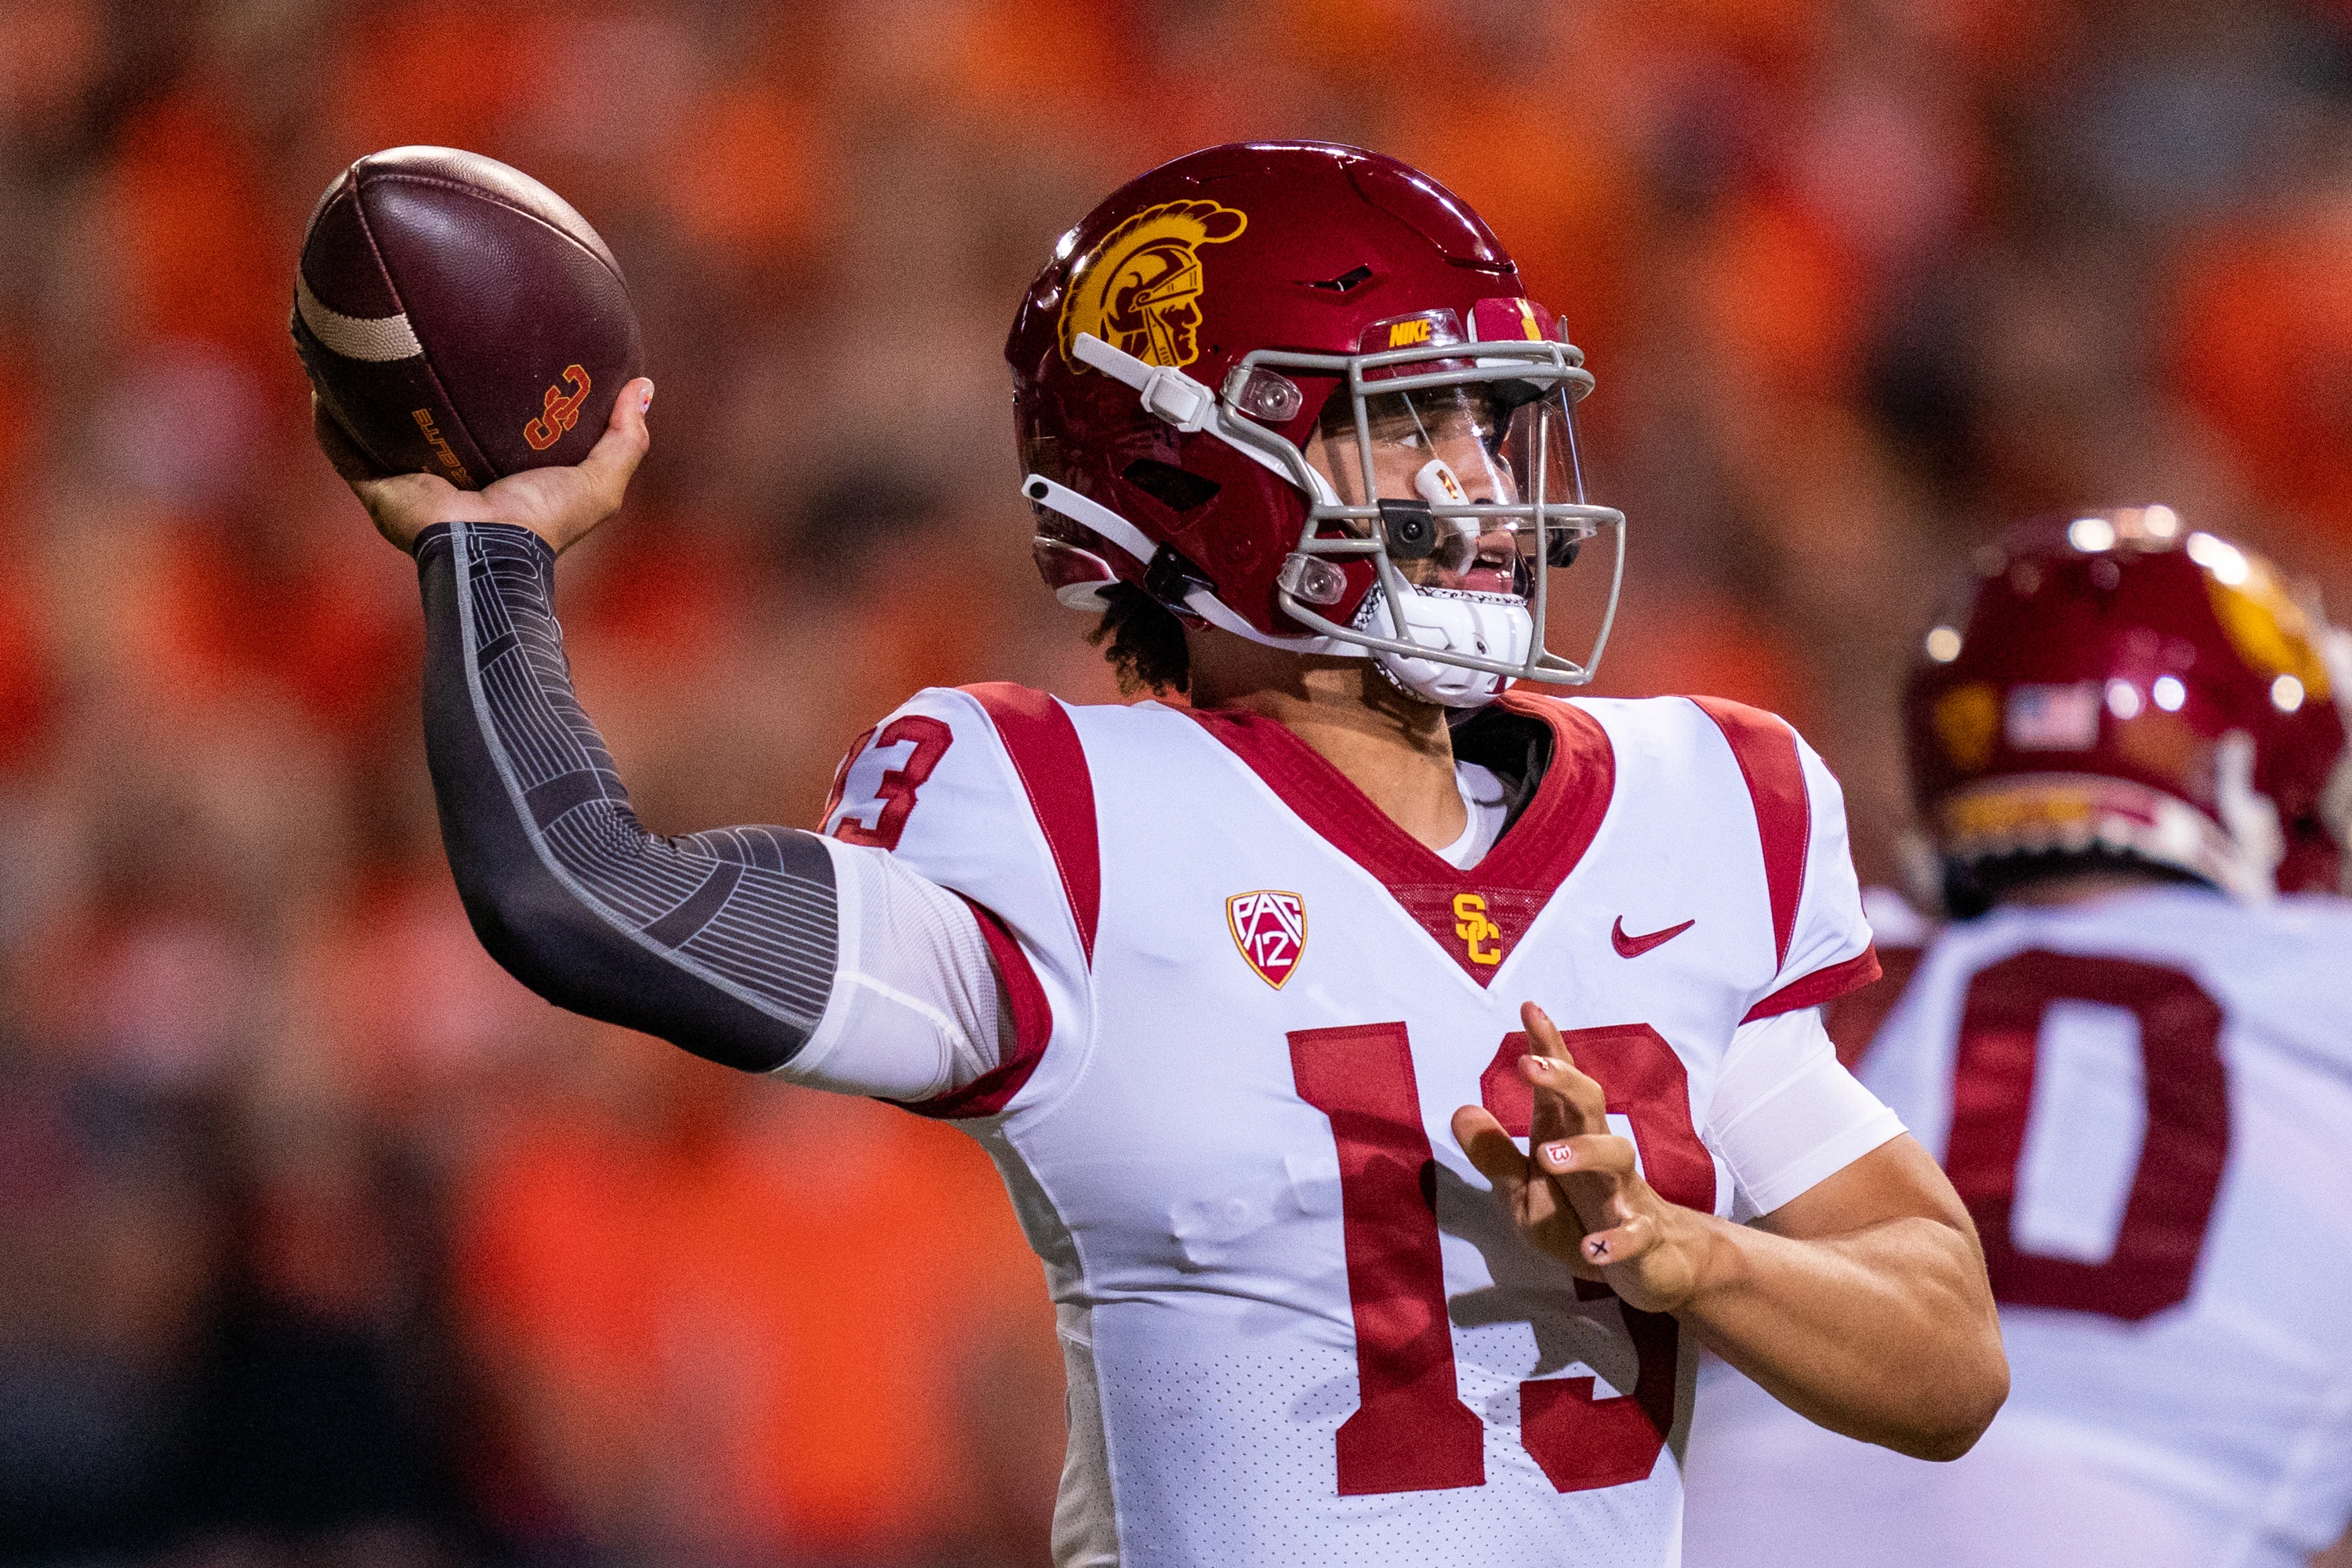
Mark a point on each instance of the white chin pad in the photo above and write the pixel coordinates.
(1485, 625)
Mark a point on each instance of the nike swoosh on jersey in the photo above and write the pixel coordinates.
(1635, 946)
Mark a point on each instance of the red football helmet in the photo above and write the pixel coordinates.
(1294, 390)
(2119, 685)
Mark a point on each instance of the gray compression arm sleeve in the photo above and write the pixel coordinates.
(723, 943)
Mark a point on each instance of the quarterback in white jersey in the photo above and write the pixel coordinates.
(2141, 1085)
(1292, 1315)
(1359, 1256)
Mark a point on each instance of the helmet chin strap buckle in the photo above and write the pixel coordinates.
(1166, 392)
(1166, 573)
(1172, 580)
(1170, 394)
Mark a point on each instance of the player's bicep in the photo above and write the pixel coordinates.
(948, 791)
(920, 1005)
(1898, 1180)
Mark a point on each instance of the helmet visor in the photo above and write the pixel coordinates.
(1467, 484)
(1448, 462)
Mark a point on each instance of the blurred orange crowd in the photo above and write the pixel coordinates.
(327, 1242)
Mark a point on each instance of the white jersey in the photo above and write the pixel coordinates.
(2147, 1103)
(1298, 1328)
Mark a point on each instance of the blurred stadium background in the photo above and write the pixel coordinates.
(323, 1242)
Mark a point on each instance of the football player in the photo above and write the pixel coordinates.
(1209, 982)
(2134, 1055)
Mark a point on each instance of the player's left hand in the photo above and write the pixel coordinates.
(1576, 1194)
(561, 504)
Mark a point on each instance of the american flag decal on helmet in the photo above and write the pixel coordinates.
(1270, 928)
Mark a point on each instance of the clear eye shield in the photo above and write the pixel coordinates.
(1444, 470)
(1448, 460)
(1452, 465)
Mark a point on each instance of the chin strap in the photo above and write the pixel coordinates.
(1118, 532)
(1472, 623)
(1079, 509)
(1166, 391)
(1192, 408)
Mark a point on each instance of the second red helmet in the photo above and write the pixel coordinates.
(2121, 685)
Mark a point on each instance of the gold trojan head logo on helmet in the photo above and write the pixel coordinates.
(1137, 289)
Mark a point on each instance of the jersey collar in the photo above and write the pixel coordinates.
(1477, 916)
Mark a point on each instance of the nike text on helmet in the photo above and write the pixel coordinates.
(1294, 390)
(2120, 682)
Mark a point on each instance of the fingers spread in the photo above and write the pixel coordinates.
(1491, 1152)
(1550, 1068)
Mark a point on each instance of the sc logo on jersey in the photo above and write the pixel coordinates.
(1479, 933)
(1270, 928)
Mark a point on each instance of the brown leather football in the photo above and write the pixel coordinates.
(456, 317)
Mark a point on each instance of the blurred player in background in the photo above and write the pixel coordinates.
(2134, 1056)
(1208, 984)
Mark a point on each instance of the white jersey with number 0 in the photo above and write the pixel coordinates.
(1298, 1328)
(2147, 1103)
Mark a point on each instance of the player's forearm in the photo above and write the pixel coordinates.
(1886, 1333)
(723, 944)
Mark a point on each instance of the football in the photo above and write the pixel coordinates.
(456, 317)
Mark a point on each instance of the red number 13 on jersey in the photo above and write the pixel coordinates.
(1411, 1431)
(897, 786)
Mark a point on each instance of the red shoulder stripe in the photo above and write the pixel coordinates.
(1033, 1025)
(1822, 985)
(1046, 754)
(1853, 1019)
(1767, 753)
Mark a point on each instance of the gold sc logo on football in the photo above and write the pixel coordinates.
(1138, 289)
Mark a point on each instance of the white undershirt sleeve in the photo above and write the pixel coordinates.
(1787, 1114)
(916, 1009)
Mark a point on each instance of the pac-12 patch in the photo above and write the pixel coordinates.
(1270, 928)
